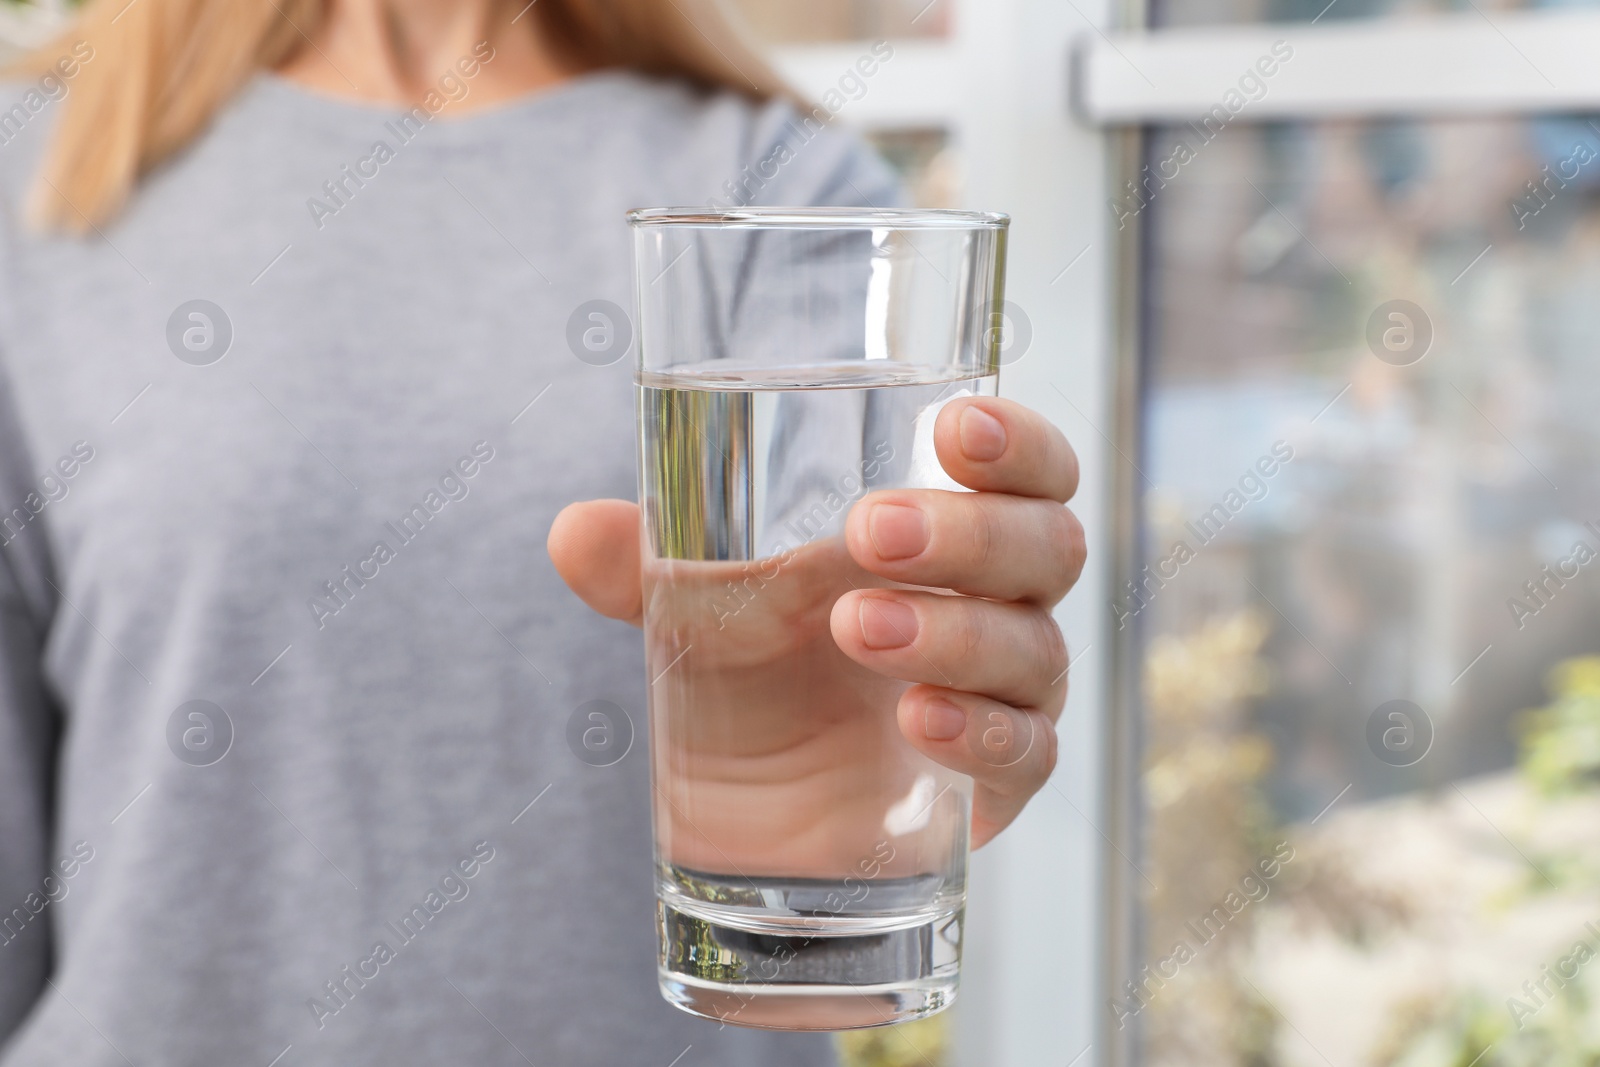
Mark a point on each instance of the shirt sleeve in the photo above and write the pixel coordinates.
(29, 730)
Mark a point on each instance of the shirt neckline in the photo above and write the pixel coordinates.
(351, 115)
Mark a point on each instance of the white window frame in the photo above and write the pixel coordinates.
(1464, 64)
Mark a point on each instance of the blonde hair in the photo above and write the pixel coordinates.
(162, 69)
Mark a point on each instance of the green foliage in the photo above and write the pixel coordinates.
(1555, 1030)
(1561, 741)
(1556, 1024)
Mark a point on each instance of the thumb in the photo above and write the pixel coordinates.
(595, 548)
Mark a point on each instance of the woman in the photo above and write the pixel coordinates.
(286, 280)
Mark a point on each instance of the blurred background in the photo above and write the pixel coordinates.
(1329, 787)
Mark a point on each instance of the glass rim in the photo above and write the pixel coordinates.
(822, 218)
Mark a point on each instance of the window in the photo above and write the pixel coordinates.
(1369, 443)
(1364, 611)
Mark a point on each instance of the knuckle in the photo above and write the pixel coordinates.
(984, 530)
(1048, 750)
(1070, 471)
(1052, 645)
(1019, 780)
(1071, 545)
(973, 629)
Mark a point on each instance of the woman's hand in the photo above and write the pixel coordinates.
(987, 665)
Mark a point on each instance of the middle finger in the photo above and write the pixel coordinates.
(982, 544)
(1011, 652)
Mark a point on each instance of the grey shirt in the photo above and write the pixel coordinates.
(286, 675)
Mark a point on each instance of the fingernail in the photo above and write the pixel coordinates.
(886, 623)
(897, 531)
(942, 721)
(982, 437)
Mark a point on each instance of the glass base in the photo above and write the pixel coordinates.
(817, 980)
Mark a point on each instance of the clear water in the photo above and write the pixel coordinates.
(811, 864)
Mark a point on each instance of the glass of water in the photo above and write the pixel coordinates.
(811, 865)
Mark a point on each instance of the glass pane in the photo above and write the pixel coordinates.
(786, 22)
(1371, 534)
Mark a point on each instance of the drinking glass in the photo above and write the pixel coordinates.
(810, 864)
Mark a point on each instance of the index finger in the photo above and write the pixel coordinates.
(999, 446)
